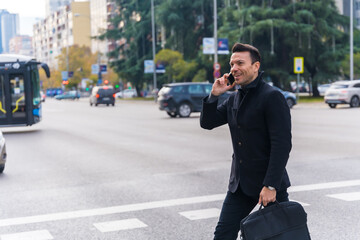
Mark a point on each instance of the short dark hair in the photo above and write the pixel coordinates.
(254, 52)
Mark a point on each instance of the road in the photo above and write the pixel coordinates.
(131, 172)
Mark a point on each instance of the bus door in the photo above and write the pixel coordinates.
(12, 99)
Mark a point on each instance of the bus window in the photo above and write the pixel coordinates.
(2, 98)
(36, 87)
(17, 95)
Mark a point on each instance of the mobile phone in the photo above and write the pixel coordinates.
(231, 79)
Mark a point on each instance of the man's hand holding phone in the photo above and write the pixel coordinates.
(223, 84)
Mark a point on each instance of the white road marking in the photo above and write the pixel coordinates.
(110, 210)
(155, 204)
(120, 225)
(201, 214)
(301, 203)
(321, 186)
(33, 235)
(352, 196)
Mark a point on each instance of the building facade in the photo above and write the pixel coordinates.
(52, 6)
(344, 8)
(101, 13)
(9, 27)
(21, 44)
(63, 28)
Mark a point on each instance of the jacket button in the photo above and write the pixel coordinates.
(239, 143)
(240, 161)
(238, 126)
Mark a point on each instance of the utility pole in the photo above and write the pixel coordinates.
(153, 42)
(351, 41)
(215, 33)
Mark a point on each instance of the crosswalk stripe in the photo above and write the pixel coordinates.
(33, 235)
(321, 186)
(302, 203)
(201, 214)
(120, 225)
(352, 196)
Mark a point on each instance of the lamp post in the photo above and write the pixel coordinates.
(351, 41)
(215, 34)
(153, 42)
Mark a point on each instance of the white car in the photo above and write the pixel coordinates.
(2, 152)
(343, 92)
(127, 93)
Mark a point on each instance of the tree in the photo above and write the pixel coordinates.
(80, 61)
(285, 29)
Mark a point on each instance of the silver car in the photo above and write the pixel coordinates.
(3, 152)
(343, 92)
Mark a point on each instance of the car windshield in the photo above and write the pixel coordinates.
(339, 86)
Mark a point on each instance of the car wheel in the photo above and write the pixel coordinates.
(90, 104)
(184, 110)
(354, 102)
(332, 105)
(96, 104)
(2, 167)
(107, 104)
(172, 114)
(290, 102)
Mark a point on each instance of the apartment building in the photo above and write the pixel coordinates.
(68, 26)
(52, 6)
(21, 44)
(9, 27)
(101, 13)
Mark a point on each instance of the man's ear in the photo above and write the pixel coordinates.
(257, 66)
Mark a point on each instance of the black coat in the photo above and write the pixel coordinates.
(260, 126)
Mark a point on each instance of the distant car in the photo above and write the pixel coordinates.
(184, 98)
(102, 95)
(323, 87)
(52, 92)
(343, 92)
(43, 96)
(289, 97)
(68, 95)
(2, 152)
(127, 93)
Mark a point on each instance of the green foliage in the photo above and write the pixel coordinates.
(281, 30)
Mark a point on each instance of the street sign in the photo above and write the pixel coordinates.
(94, 69)
(103, 69)
(64, 75)
(298, 65)
(217, 67)
(208, 46)
(71, 74)
(216, 74)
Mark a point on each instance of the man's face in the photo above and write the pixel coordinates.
(242, 69)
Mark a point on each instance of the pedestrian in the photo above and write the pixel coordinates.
(260, 127)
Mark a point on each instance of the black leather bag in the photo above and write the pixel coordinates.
(280, 221)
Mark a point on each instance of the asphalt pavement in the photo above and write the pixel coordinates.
(131, 172)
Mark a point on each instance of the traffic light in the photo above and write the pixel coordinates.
(117, 86)
(65, 82)
(106, 82)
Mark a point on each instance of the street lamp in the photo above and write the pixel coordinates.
(153, 42)
(351, 41)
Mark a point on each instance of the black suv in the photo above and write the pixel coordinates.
(184, 98)
(102, 95)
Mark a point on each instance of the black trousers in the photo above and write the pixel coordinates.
(237, 206)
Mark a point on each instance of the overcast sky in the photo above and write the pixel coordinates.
(30, 12)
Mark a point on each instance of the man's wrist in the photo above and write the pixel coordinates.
(271, 188)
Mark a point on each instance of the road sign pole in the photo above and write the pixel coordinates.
(297, 89)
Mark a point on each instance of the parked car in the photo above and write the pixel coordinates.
(127, 93)
(2, 152)
(102, 95)
(43, 96)
(289, 97)
(52, 92)
(68, 95)
(343, 92)
(184, 98)
(323, 87)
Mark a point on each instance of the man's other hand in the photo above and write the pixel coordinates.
(267, 196)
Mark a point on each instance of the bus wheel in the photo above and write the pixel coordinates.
(2, 167)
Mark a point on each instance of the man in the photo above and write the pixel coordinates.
(260, 126)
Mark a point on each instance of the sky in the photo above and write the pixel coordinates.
(30, 12)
